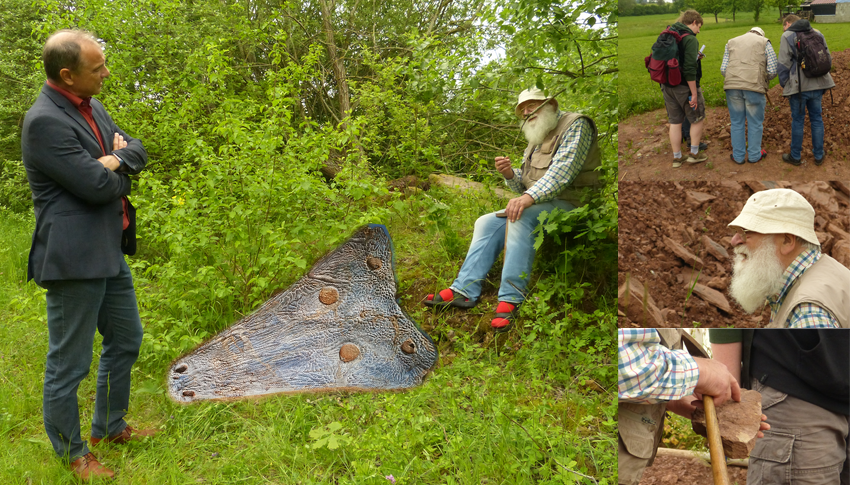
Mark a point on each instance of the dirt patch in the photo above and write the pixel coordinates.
(645, 153)
(669, 470)
(660, 220)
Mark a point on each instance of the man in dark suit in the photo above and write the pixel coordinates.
(77, 163)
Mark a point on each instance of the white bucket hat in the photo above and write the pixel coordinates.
(778, 211)
(758, 31)
(532, 94)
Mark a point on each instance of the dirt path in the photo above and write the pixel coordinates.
(645, 153)
(668, 470)
(656, 218)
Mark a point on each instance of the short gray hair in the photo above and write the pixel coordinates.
(64, 53)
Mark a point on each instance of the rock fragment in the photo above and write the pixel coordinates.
(712, 297)
(688, 257)
(634, 300)
(739, 424)
(715, 249)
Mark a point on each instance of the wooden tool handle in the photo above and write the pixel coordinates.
(715, 444)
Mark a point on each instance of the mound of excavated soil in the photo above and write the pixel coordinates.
(669, 230)
(645, 153)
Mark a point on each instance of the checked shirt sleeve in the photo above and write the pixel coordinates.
(648, 372)
(515, 184)
(566, 163)
(725, 62)
(772, 61)
(809, 315)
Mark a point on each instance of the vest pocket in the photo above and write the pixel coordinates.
(638, 426)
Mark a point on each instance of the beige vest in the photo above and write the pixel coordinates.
(747, 67)
(826, 284)
(641, 426)
(535, 163)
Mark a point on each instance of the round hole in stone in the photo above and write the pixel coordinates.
(408, 347)
(373, 263)
(181, 368)
(189, 393)
(328, 295)
(348, 352)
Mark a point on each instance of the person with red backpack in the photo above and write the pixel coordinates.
(804, 63)
(685, 100)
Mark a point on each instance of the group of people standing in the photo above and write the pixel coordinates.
(749, 63)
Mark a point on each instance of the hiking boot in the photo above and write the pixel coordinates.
(677, 162)
(787, 158)
(732, 157)
(819, 162)
(699, 157)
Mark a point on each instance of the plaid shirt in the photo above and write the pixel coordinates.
(772, 61)
(565, 167)
(804, 315)
(648, 372)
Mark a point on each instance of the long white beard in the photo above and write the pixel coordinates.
(544, 121)
(756, 278)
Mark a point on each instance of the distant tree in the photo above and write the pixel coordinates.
(758, 5)
(626, 7)
(734, 6)
(711, 6)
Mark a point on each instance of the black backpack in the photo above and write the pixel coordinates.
(814, 58)
(663, 62)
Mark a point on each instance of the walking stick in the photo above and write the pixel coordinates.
(715, 445)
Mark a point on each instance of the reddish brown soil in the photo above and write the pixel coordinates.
(650, 212)
(645, 153)
(668, 470)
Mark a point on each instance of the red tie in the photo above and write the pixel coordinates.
(85, 109)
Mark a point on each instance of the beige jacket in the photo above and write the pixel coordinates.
(826, 284)
(536, 163)
(747, 66)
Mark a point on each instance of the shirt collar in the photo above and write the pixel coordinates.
(794, 270)
(73, 98)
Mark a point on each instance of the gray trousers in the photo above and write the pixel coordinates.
(806, 444)
(75, 310)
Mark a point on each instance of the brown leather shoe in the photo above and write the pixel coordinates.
(129, 434)
(87, 467)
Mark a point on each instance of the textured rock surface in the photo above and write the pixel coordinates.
(337, 328)
(739, 424)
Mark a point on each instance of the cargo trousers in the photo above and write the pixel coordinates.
(806, 444)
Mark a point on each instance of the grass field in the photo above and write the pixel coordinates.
(637, 34)
(493, 411)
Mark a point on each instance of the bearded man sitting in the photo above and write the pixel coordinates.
(557, 168)
(778, 259)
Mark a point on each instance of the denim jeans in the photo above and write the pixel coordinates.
(747, 105)
(488, 239)
(75, 309)
(811, 101)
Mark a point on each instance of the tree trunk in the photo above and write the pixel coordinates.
(340, 77)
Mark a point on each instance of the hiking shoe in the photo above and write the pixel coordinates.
(699, 157)
(447, 298)
(677, 162)
(762, 154)
(506, 312)
(819, 162)
(732, 157)
(787, 158)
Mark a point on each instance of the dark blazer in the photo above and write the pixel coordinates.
(77, 201)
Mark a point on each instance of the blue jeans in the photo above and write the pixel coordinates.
(75, 309)
(811, 101)
(488, 239)
(747, 105)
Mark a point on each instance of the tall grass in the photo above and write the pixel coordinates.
(638, 94)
